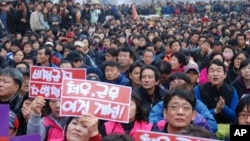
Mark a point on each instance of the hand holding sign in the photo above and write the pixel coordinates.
(104, 100)
(37, 105)
(91, 122)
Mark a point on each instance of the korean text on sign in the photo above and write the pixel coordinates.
(154, 136)
(104, 100)
(47, 82)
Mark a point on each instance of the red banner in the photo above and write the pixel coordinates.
(155, 136)
(47, 81)
(4, 138)
(106, 101)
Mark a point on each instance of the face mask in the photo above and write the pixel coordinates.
(227, 55)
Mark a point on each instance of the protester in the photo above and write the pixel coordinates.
(137, 120)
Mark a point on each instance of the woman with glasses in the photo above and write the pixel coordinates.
(242, 83)
(234, 71)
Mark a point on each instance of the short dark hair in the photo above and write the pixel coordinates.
(134, 65)
(218, 63)
(244, 101)
(129, 50)
(183, 93)
(182, 59)
(241, 34)
(112, 51)
(163, 67)
(211, 56)
(112, 64)
(196, 131)
(47, 51)
(66, 62)
(179, 75)
(25, 63)
(154, 69)
(30, 57)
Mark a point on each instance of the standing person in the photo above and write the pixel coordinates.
(55, 20)
(44, 17)
(35, 23)
(22, 20)
(7, 19)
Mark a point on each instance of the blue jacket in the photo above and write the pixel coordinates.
(121, 80)
(156, 114)
(210, 95)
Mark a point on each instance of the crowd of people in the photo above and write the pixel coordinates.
(188, 67)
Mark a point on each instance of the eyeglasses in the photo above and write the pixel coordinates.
(244, 115)
(175, 108)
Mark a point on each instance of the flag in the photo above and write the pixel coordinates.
(134, 12)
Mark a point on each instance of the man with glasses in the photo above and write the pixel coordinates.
(179, 110)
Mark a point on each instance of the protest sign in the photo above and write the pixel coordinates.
(29, 137)
(4, 138)
(155, 136)
(47, 81)
(104, 100)
(4, 120)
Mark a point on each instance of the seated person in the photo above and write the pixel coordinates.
(181, 79)
(179, 110)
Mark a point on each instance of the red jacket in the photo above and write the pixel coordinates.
(116, 127)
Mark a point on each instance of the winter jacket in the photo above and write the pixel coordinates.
(148, 104)
(156, 115)
(121, 80)
(47, 127)
(116, 127)
(161, 126)
(210, 95)
(240, 87)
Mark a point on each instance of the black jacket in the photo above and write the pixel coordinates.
(147, 102)
(15, 105)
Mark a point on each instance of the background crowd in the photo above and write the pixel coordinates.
(188, 65)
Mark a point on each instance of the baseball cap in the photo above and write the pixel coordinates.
(3, 4)
(49, 44)
(70, 34)
(191, 66)
(93, 78)
(13, 120)
(79, 43)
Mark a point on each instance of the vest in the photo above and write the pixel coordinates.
(115, 127)
(54, 132)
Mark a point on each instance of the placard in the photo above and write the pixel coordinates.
(29, 137)
(155, 136)
(104, 100)
(47, 81)
(4, 120)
